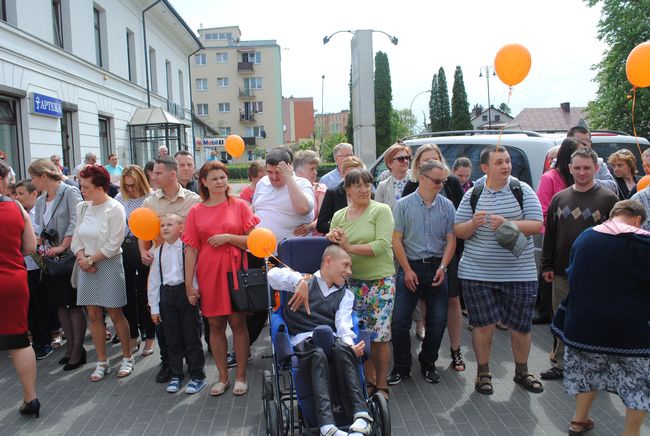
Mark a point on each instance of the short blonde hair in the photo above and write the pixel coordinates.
(351, 162)
(47, 167)
(416, 164)
(626, 156)
(142, 186)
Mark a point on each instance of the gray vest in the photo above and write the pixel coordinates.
(323, 310)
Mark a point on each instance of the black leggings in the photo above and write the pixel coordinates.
(136, 310)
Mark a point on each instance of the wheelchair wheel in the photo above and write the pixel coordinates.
(379, 411)
(267, 386)
(272, 412)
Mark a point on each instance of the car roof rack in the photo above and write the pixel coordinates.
(610, 132)
(473, 133)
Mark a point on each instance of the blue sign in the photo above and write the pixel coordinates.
(45, 105)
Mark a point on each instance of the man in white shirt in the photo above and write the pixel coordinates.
(89, 159)
(334, 177)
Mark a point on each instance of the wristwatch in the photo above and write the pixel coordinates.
(443, 268)
(89, 261)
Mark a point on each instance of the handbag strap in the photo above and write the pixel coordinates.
(65, 190)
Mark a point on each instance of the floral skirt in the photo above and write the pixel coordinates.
(374, 300)
(629, 376)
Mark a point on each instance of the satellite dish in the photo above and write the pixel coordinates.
(263, 133)
(284, 127)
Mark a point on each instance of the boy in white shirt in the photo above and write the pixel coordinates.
(169, 305)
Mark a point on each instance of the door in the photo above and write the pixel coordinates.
(67, 141)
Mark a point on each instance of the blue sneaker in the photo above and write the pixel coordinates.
(195, 385)
(174, 385)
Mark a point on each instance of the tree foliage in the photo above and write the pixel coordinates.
(403, 124)
(439, 103)
(459, 104)
(330, 141)
(622, 26)
(349, 127)
(503, 107)
(383, 102)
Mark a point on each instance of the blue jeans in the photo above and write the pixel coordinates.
(436, 300)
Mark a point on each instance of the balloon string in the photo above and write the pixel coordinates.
(280, 262)
(633, 123)
(489, 175)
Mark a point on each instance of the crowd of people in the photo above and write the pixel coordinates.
(427, 245)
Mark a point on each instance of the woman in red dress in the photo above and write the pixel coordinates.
(215, 235)
(19, 240)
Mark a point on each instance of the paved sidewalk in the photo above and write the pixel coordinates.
(72, 405)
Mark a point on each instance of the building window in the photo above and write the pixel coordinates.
(253, 83)
(253, 57)
(153, 70)
(200, 59)
(224, 131)
(130, 56)
(168, 79)
(202, 109)
(497, 118)
(101, 59)
(257, 58)
(219, 36)
(201, 84)
(104, 139)
(222, 82)
(181, 89)
(9, 123)
(256, 131)
(224, 107)
(3, 10)
(222, 57)
(57, 22)
(484, 117)
(257, 107)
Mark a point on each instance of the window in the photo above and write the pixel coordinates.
(258, 57)
(9, 127)
(497, 118)
(222, 57)
(257, 107)
(219, 36)
(104, 139)
(130, 56)
(3, 10)
(153, 70)
(224, 131)
(253, 56)
(222, 82)
(100, 56)
(484, 117)
(181, 89)
(57, 22)
(201, 84)
(256, 131)
(168, 79)
(224, 107)
(253, 83)
(202, 109)
(200, 59)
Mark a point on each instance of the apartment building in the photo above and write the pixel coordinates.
(297, 119)
(237, 90)
(332, 123)
(77, 76)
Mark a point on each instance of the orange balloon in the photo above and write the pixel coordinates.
(261, 242)
(234, 145)
(643, 183)
(637, 66)
(512, 63)
(144, 224)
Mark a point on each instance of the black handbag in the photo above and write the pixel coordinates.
(131, 252)
(248, 289)
(60, 266)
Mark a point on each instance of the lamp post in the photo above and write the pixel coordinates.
(362, 90)
(413, 101)
(322, 111)
(487, 69)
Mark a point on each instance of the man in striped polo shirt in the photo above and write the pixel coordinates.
(499, 281)
(424, 244)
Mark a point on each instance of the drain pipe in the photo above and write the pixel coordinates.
(146, 50)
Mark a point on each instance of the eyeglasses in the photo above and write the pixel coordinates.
(403, 159)
(361, 186)
(129, 185)
(435, 181)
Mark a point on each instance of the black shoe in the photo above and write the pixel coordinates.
(64, 360)
(71, 366)
(431, 375)
(542, 319)
(231, 361)
(396, 378)
(31, 408)
(554, 373)
(115, 340)
(42, 352)
(164, 375)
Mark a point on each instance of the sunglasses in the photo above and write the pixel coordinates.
(403, 159)
(435, 181)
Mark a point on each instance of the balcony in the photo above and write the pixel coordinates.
(246, 93)
(249, 140)
(245, 67)
(246, 118)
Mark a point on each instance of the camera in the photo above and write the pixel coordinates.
(49, 235)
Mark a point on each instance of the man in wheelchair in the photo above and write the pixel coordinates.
(324, 299)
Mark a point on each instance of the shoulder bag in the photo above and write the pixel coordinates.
(62, 265)
(248, 288)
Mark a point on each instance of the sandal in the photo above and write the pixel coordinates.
(529, 382)
(127, 367)
(241, 387)
(483, 383)
(219, 388)
(457, 362)
(101, 369)
(148, 351)
(108, 335)
(578, 428)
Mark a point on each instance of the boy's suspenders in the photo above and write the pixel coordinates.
(160, 262)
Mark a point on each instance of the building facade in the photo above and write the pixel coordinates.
(237, 90)
(73, 73)
(332, 124)
(492, 118)
(297, 119)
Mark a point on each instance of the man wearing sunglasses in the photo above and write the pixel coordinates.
(424, 244)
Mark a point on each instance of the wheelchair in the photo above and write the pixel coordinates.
(287, 397)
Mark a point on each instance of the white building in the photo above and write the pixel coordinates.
(74, 72)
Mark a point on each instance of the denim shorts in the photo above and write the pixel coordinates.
(512, 303)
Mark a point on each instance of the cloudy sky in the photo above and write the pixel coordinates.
(560, 34)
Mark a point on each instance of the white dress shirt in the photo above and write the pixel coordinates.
(286, 280)
(173, 272)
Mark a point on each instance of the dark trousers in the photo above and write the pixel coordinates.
(38, 314)
(182, 326)
(313, 361)
(256, 320)
(436, 300)
(137, 309)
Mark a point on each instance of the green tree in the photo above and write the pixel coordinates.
(330, 141)
(434, 110)
(402, 124)
(383, 102)
(503, 107)
(459, 104)
(622, 26)
(349, 127)
(440, 112)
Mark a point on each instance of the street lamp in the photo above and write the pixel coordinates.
(362, 90)
(322, 110)
(413, 101)
(487, 69)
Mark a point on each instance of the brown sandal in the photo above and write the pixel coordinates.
(578, 428)
(457, 362)
(483, 383)
(529, 382)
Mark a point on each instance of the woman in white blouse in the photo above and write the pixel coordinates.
(397, 159)
(97, 244)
